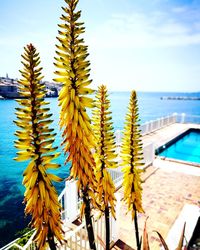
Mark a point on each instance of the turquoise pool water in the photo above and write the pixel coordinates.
(186, 147)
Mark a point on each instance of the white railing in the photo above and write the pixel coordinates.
(152, 126)
(69, 201)
(149, 127)
(117, 176)
(30, 245)
(185, 118)
(78, 238)
(148, 154)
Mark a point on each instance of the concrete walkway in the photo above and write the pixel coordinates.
(167, 188)
(162, 136)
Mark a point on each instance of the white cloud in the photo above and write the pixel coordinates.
(179, 9)
(174, 28)
(139, 30)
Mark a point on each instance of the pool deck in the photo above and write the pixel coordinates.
(162, 136)
(167, 187)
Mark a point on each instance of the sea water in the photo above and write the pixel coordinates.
(12, 217)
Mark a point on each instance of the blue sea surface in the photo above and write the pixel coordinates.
(11, 190)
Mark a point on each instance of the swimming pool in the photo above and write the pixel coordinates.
(185, 147)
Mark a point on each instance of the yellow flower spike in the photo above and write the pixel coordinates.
(34, 143)
(104, 156)
(72, 70)
(132, 160)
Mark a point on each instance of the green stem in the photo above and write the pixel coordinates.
(51, 241)
(136, 230)
(88, 220)
(107, 221)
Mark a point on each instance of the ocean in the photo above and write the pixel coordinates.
(12, 218)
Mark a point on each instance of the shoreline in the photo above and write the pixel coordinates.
(184, 98)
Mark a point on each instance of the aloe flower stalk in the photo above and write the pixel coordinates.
(104, 156)
(132, 157)
(34, 143)
(73, 71)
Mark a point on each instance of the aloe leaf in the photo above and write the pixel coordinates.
(162, 241)
(145, 236)
(180, 244)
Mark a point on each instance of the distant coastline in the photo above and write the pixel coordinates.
(185, 98)
(9, 88)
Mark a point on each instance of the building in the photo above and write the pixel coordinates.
(8, 88)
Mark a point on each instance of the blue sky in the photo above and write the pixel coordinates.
(133, 44)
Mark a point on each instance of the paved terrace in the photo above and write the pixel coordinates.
(167, 187)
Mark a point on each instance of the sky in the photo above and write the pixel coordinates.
(146, 45)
